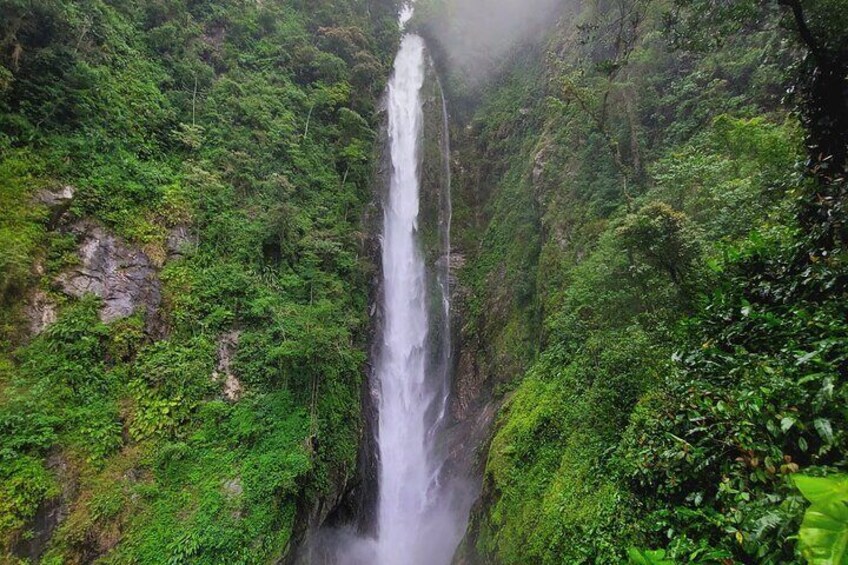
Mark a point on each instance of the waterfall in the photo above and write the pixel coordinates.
(422, 506)
(444, 268)
(417, 522)
(401, 364)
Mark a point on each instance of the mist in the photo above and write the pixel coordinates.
(472, 37)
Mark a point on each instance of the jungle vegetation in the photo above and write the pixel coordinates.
(653, 203)
(650, 195)
(251, 125)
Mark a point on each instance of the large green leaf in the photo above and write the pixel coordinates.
(823, 489)
(824, 530)
(648, 557)
(824, 534)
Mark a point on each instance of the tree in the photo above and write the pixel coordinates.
(663, 238)
(821, 79)
(819, 86)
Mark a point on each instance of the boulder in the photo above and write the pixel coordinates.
(180, 242)
(57, 197)
(121, 275)
(57, 201)
(233, 488)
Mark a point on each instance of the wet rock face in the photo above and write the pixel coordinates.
(180, 242)
(50, 513)
(227, 345)
(40, 312)
(123, 276)
(539, 162)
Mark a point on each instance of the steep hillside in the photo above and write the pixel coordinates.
(650, 291)
(655, 284)
(183, 290)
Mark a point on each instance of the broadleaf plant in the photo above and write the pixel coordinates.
(648, 557)
(824, 530)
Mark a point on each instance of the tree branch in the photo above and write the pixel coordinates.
(803, 30)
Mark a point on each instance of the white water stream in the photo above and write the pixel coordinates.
(417, 524)
(422, 507)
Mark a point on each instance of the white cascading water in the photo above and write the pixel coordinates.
(417, 524)
(402, 359)
(423, 499)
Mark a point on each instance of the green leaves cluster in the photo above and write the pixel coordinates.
(824, 531)
(647, 557)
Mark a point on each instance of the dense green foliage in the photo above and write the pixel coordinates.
(652, 273)
(655, 284)
(251, 126)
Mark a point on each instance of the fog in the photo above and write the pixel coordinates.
(473, 36)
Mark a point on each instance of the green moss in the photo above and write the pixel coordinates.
(21, 231)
